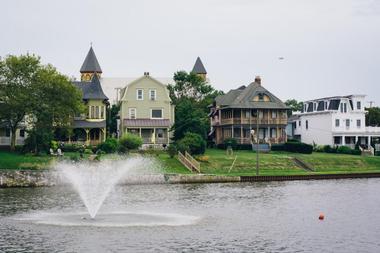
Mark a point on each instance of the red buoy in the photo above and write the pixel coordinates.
(321, 216)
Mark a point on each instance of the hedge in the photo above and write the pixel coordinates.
(298, 147)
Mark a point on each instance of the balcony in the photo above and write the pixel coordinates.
(253, 121)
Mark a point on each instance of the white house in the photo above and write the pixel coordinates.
(336, 120)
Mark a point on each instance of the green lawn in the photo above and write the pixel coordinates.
(274, 163)
(277, 163)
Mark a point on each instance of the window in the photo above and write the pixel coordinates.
(102, 112)
(152, 94)
(274, 114)
(345, 107)
(139, 94)
(358, 123)
(92, 115)
(22, 133)
(160, 133)
(341, 107)
(273, 133)
(315, 106)
(358, 105)
(132, 113)
(261, 97)
(7, 132)
(307, 124)
(156, 114)
(299, 123)
(347, 123)
(337, 122)
(261, 114)
(96, 112)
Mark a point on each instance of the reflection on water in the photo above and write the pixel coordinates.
(251, 217)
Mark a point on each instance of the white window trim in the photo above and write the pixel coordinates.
(162, 113)
(129, 112)
(155, 94)
(137, 94)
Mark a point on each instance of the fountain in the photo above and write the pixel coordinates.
(94, 180)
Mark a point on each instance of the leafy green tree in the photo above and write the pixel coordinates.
(191, 95)
(18, 77)
(38, 93)
(55, 101)
(372, 118)
(112, 116)
(294, 105)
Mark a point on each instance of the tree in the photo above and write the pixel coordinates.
(38, 93)
(294, 105)
(18, 76)
(112, 116)
(191, 95)
(372, 118)
(55, 101)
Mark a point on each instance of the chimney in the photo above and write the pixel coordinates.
(258, 80)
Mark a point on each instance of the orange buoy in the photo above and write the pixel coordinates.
(321, 216)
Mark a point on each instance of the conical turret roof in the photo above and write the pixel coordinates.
(198, 67)
(90, 64)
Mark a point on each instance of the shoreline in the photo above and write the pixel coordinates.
(46, 178)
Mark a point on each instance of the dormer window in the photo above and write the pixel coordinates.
(261, 97)
(358, 105)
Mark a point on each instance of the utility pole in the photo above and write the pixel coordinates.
(257, 140)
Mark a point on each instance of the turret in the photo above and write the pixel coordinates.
(199, 69)
(90, 67)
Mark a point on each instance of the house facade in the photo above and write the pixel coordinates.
(6, 134)
(90, 127)
(146, 110)
(236, 113)
(333, 121)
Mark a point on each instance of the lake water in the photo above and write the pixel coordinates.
(249, 217)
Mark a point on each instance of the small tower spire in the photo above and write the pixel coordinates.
(199, 69)
(90, 66)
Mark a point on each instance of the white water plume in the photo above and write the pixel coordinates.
(94, 180)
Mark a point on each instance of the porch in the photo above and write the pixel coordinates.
(362, 140)
(151, 135)
(242, 134)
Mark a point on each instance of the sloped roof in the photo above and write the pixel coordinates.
(92, 90)
(243, 98)
(198, 67)
(91, 63)
(147, 122)
(88, 124)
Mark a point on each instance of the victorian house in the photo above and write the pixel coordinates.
(90, 127)
(236, 113)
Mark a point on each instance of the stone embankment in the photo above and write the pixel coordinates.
(31, 178)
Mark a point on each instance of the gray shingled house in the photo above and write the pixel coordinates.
(234, 114)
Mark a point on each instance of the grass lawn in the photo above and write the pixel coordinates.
(15, 161)
(274, 163)
(278, 163)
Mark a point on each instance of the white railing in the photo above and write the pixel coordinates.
(5, 140)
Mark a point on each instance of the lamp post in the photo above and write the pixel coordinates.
(257, 142)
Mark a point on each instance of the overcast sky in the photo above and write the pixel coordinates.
(330, 47)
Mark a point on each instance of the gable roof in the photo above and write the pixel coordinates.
(91, 90)
(243, 98)
(90, 63)
(198, 67)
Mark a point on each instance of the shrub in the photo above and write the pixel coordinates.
(70, 148)
(129, 141)
(193, 143)
(347, 150)
(277, 147)
(171, 150)
(111, 145)
(329, 149)
(298, 147)
(230, 142)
